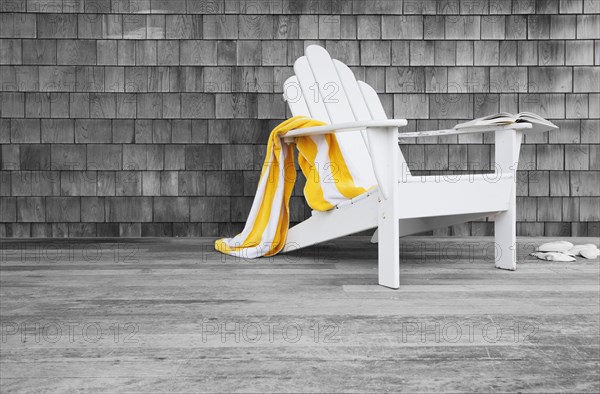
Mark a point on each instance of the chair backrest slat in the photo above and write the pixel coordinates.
(355, 97)
(374, 106)
(377, 112)
(310, 93)
(329, 85)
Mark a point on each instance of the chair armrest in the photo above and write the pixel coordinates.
(362, 125)
(470, 130)
(343, 127)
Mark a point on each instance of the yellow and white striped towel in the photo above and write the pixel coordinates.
(329, 181)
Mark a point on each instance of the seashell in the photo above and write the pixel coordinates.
(552, 256)
(556, 246)
(576, 250)
(590, 253)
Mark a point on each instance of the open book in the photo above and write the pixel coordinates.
(504, 118)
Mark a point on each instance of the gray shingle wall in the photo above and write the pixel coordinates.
(149, 117)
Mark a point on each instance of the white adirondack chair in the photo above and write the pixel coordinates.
(327, 90)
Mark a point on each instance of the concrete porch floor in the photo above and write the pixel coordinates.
(172, 315)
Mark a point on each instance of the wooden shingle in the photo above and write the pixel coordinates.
(369, 27)
(198, 53)
(89, 26)
(10, 51)
(88, 131)
(508, 79)
(25, 131)
(551, 53)
(550, 79)
(63, 209)
(183, 27)
(580, 53)
(493, 27)
(253, 26)
(210, 209)
(463, 27)
(21, 25)
(53, 25)
(516, 27)
(57, 131)
(129, 209)
(57, 78)
(39, 51)
(134, 27)
(486, 53)
(563, 26)
(402, 27)
(203, 157)
(112, 26)
(586, 79)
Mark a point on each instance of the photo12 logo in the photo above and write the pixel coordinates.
(62, 252)
(52, 332)
(255, 332)
(428, 332)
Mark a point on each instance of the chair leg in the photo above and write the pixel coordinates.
(506, 240)
(383, 144)
(388, 246)
(505, 230)
(507, 147)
